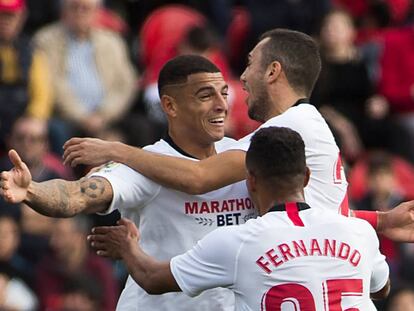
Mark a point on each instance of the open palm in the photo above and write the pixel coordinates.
(15, 183)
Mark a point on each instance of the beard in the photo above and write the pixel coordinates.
(259, 106)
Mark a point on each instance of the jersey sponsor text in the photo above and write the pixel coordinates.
(207, 207)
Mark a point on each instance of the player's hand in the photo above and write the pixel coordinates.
(15, 183)
(115, 241)
(398, 223)
(88, 151)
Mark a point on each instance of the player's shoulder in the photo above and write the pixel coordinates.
(238, 234)
(357, 225)
(224, 144)
(296, 117)
(161, 146)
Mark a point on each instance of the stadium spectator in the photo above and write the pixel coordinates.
(402, 299)
(159, 38)
(24, 77)
(301, 15)
(71, 256)
(397, 79)
(81, 293)
(345, 93)
(343, 85)
(382, 195)
(29, 137)
(10, 237)
(15, 295)
(383, 191)
(93, 78)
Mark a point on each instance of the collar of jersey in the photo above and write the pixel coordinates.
(282, 207)
(301, 101)
(167, 138)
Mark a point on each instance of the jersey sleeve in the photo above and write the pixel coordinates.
(130, 189)
(380, 269)
(211, 263)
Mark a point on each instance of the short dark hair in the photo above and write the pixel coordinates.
(379, 161)
(200, 38)
(276, 153)
(298, 54)
(179, 68)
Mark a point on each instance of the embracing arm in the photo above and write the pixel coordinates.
(121, 242)
(397, 224)
(152, 275)
(194, 177)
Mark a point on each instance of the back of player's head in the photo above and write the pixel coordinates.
(298, 54)
(178, 69)
(277, 154)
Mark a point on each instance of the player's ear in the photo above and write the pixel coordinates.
(169, 105)
(307, 177)
(251, 182)
(273, 71)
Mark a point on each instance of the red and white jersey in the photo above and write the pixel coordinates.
(327, 185)
(289, 260)
(171, 222)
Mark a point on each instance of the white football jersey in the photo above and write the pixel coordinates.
(327, 185)
(171, 222)
(292, 260)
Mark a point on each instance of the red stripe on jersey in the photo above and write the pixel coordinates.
(293, 213)
(344, 207)
(337, 174)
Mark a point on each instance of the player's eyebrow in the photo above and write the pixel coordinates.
(204, 88)
(210, 88)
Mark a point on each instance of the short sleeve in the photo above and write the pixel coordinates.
(130, 189)
(380, 269)
(209, 264)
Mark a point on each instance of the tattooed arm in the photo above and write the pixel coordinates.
(61, 198)
(55, 198)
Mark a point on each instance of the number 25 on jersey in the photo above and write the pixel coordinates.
(292, 296)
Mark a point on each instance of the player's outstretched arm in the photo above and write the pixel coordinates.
(398, 223)
(194, 177)
(54, 198)
(121, 242)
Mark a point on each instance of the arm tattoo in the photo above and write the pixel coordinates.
(93, 189)
(60, 198)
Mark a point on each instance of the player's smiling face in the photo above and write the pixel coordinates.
(253, 79)
(203, 106)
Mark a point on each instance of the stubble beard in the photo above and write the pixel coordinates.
(259, 107)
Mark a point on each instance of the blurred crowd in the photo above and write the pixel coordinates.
(90, 67)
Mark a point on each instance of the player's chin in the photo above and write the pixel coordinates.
(216, 134)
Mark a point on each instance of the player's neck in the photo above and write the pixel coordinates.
(191, 147)
(282, 102)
